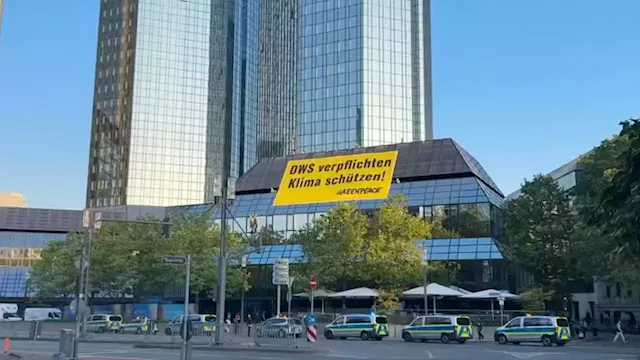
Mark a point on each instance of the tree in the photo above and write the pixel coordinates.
(199, 236)
(126, 258)
(348, 247)
(542, 235)
(608, 199)
(535, 298)
(55, 273)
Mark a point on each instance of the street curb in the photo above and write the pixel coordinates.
(215, 348)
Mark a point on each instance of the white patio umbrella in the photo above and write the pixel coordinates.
(357, 293)
(433, 290)
(490, 294)
(317, 294)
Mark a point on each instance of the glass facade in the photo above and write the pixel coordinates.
(364, 74)
(465, 205)
(18, 251)
(277, 61)
(175, 90)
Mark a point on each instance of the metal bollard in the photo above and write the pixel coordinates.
(66, 346)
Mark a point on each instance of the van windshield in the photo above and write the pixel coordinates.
(54, 315)
(115, 318)
(210, 318)
(381, 320)
(562, 322)
(463, 321)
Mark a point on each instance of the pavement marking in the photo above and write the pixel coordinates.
(429, 353)
(527, 355)
(346, 356)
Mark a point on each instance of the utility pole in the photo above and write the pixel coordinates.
(222, 266)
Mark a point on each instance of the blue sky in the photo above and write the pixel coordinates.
(525, 86)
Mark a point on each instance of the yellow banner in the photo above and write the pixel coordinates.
(337, 178)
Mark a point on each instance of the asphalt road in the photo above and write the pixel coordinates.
(347, 350)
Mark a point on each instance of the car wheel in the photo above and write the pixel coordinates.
(462, 341)
(378, 338)
(516, 343)
(444, 338)
(328, 334)
(168, 332)
(364, 335)
(502, 340)
(546, 341)
(407, 337)
(561, 343)
(138, 331)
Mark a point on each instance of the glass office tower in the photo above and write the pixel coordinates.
(364, 75)
(175, 100)
(277, 85)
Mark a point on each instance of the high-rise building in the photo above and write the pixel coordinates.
(364, 74)
(175, 100)
(277, 83)
(1, 10)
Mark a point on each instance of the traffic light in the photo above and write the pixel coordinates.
(166, 227)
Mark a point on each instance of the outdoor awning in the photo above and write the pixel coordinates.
(433, 289)
(357, 293)
(490, 294)
(317, 294)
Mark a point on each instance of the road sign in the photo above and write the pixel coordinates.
(97, 221)
(74, 306)
(86, 218)
(312, 282)
(311, 319)
(501, 301)
(312, 333)
(280, 272)
(174, 259)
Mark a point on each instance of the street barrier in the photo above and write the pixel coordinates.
(66, 346)
(291, 337)
(312, 333)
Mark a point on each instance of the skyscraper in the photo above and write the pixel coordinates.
(277, 83)
(175, 100)
(364, 74)
(1, 10)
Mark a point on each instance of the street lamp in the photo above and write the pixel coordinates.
(243, 264)
(78, 303)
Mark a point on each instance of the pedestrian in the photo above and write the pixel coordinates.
(249, 323)
(479, 327)
(618, 332)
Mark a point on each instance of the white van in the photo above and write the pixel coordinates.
(8, 312)
(42, 314)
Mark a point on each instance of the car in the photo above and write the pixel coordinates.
(541, 329)
(279, 327)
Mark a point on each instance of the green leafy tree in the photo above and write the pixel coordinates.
(348, 247)
(535, 298)
(127, 259)
(55, 273)
(542, 235)
(199, 236)
(388, 301)
(608, 200)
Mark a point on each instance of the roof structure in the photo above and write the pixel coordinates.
(47, 220)
(420, 160)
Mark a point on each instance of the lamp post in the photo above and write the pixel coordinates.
(244, 272)
(77, 308)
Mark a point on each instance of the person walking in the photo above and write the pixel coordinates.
(619, 332)
(479, 327)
